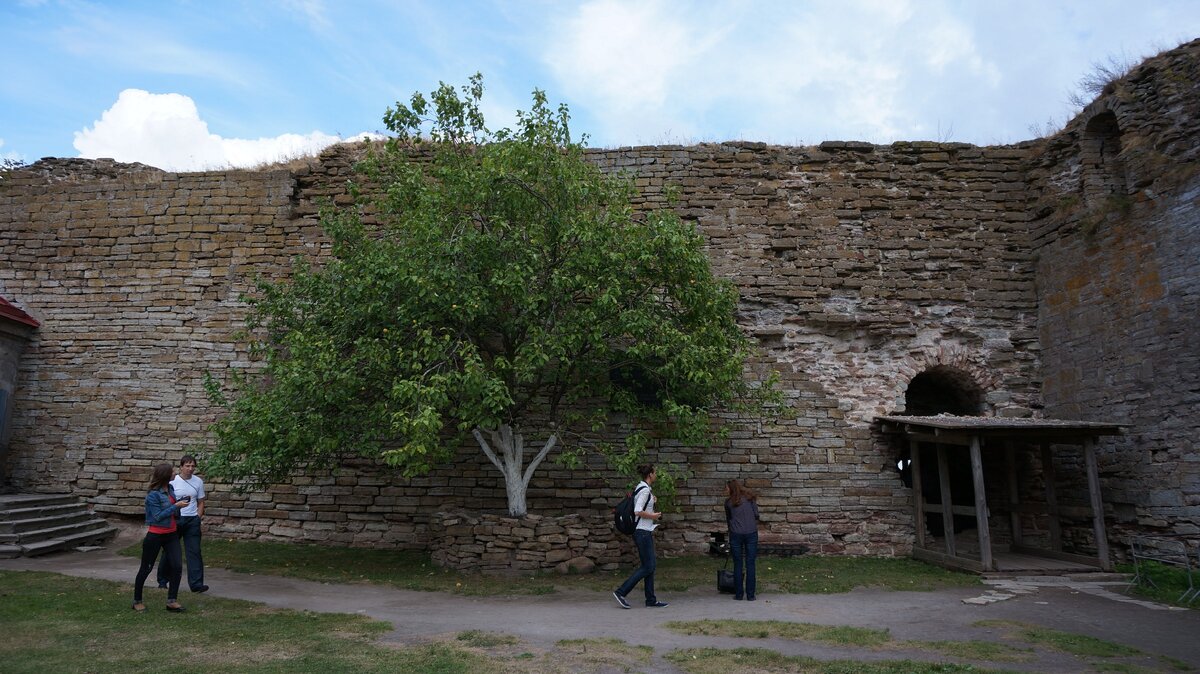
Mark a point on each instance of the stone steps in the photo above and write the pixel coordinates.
(36, 524)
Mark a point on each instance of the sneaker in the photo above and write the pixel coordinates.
(162, 586)
(621, 600)
(657, 604)
(202, 588)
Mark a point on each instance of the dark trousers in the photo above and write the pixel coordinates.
(189, 533)
(168, 544)
(644, 540)
(745, 551)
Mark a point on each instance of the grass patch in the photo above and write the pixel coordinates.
(413, 570)
(405, 569)
(973, 650)
(838, 635)
(480, 639)
(604, 654)
(800, 575)
(846, 636)
(753, 660)
(54, 623)
(1067, 642)
(1169, 583)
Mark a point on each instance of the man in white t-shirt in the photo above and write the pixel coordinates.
(187, 483)
(643, 538)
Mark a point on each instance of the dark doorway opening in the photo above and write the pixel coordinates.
(942, 390)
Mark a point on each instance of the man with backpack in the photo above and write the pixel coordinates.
(643, 538)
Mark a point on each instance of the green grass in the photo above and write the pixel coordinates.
(1067, 642)
(412, 570)
(1169, 583)
(54, 623)
(1100, 654)
(755, 660)
(838, 635)
(846, 636)
(405, 569)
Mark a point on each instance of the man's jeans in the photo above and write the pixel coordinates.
(189, 533)
(645, 546)
(745, 549)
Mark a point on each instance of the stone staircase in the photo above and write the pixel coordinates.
(35, 524)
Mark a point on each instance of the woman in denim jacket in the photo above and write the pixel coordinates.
(741, 512)
(161, 508)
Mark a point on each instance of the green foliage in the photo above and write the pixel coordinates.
(483, 280)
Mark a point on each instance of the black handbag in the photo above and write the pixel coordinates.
(725, 581)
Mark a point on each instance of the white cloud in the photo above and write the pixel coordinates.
(10, 155)
(166, 131)
(859, 69)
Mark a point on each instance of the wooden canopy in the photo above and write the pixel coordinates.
(952, 433)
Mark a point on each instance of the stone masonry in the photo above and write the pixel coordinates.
(1058, 273)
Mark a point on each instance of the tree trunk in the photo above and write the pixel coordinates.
(508, 457)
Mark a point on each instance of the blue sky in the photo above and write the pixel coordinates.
(190, 84)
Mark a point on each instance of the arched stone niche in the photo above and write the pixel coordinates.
(1100, 154)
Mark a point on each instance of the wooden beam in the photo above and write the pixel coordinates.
(981, 511)
(965, 511)
(1014, 492)
(1051, 498)
(947, 500)
(1062, 510)
(914, 449)
(948, 561)
(1093, 477)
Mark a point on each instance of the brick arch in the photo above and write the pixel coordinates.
(950, 361)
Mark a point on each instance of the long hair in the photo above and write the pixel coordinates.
(163, 473)
(738, 493)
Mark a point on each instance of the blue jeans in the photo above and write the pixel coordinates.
(644, 540)
(189, 533)
(745, 550)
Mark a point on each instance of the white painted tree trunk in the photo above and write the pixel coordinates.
(509, 456)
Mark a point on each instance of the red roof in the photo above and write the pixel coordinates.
(12, 313)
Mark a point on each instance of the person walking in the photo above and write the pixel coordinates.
(161, 535)
(643, 538)
(741, 513)
(188, 484)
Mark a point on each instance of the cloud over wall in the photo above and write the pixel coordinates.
(166, 131)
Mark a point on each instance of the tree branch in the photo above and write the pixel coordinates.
(483, 444)
(540, 455)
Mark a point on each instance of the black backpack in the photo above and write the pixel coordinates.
(623, 518)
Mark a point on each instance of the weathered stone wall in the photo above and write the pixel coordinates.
(1118, 245)
(860, 266)
(575, 543)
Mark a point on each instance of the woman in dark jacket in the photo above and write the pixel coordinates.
(161, 534)
(741, 512)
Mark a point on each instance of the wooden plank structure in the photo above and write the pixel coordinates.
(977, 435)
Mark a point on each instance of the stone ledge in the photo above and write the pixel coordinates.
(486, 542)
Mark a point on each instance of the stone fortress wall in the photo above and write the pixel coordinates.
(1056, 277)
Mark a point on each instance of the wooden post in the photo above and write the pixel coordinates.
(1051, 498)
(1014, 492)
(918, 493)
(1093, 476)
(981, 512)
(947, 499)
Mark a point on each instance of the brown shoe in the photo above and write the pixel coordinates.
(138, 606)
